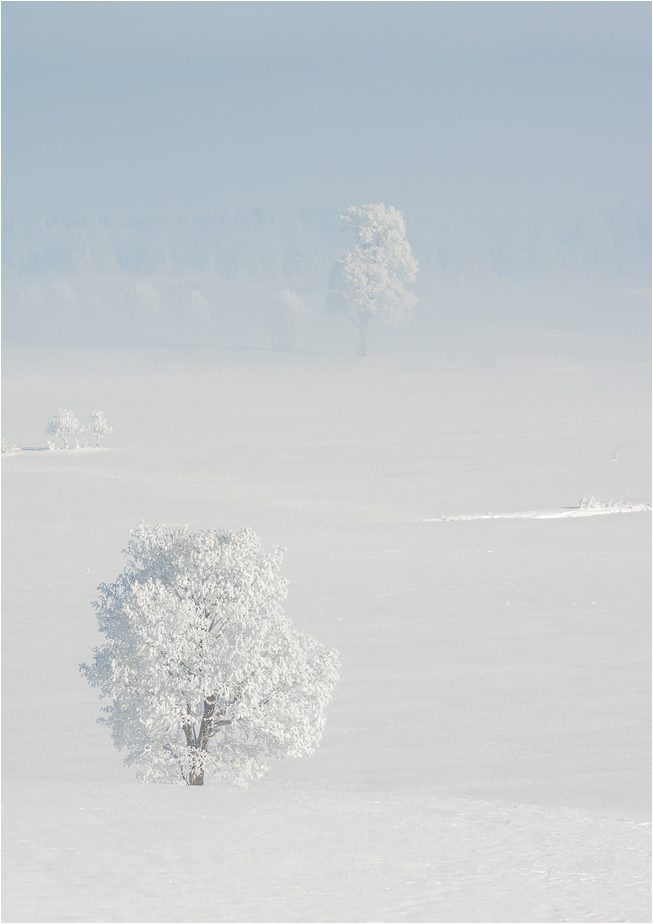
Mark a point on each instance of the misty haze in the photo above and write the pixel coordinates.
(336, 318)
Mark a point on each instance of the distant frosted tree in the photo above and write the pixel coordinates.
(371, 278)
(196, 318)
(65, 425)
(288, 310)
(98, 426)
(63, 293)
(147, 319)
(205, 672)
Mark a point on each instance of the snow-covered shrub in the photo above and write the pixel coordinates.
(205, 672)
(65, 425)
(591, 503)
(371, 278)
(98, 426)
(8, 446)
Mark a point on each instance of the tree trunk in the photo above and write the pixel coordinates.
(199, 743)
(196, 779)
(363, 324)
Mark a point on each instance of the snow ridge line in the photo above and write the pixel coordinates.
(584, 510)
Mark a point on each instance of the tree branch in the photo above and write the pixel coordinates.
(189, 731)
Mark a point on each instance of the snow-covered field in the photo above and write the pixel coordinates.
(486, 751)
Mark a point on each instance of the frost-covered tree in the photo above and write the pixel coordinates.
(288, 311)
(205, 672)
(98, 426)
(65, 425)
(371, 278)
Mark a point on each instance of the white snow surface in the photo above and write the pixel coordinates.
(486, 751)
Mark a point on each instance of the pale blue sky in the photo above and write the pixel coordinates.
(119, 110)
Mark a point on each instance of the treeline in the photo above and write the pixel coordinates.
(259, 246)
(254, 245)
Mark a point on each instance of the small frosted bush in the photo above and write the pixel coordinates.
(65, 426)
(98, 426)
